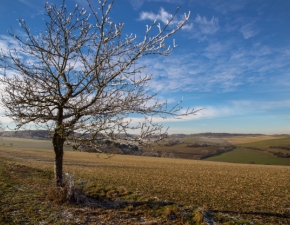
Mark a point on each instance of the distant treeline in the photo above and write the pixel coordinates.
(219, 151)
(287, 147)
(209, 134)
(278, 154)
(281, 154)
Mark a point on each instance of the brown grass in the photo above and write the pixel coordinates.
(57, 195)
(237, 188)
(249, 139)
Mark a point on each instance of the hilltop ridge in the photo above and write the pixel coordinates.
(44, 134)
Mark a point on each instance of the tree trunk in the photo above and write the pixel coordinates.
(58, 143)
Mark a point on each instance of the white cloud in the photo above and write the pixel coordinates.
(8, 43)
(221, 66)
(168, 1)
(246, 105)
(233, 108)
(136, 4)
(226, 6)
(216, 49)
(192, 72)
(207, 26)
(249, 30)
(164, 17)
(28, 3)
(4, 119)
(37, 7)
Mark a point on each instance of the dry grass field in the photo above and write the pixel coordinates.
(235, 140)
(28, 143)
(257, 190)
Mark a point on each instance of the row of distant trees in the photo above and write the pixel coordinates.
(278, 154)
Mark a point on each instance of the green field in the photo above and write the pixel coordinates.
(242, 154)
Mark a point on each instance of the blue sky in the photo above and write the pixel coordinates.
(232, 59)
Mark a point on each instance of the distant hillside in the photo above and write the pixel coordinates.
(213, 135)
(44, 134)
(32, 134)
(192, 146)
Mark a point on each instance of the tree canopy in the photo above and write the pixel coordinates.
(80, 78)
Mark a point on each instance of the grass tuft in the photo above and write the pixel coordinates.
(198, 217)
(57, 195)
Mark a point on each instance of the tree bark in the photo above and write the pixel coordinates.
(58, 143)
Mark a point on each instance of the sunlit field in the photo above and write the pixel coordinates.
(27, 143)
(254, 138)
(256, 150)
(212, 185)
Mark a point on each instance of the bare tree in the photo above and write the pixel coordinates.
(80, 78)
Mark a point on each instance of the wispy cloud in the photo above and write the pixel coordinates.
(226, 6)
(249, 30)
(207, 26)
(258, 106)
(3, 118)
(8, 43)
(204, 28)
(27, 2)
(136, 4)
(233, 108)
(168, 1)
(36, 5)
(222, 66)
(164, 17)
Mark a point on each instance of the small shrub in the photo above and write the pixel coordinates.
(57, 195)
(112, 194)
(68, 193)
(198, 217)
(171, 212)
